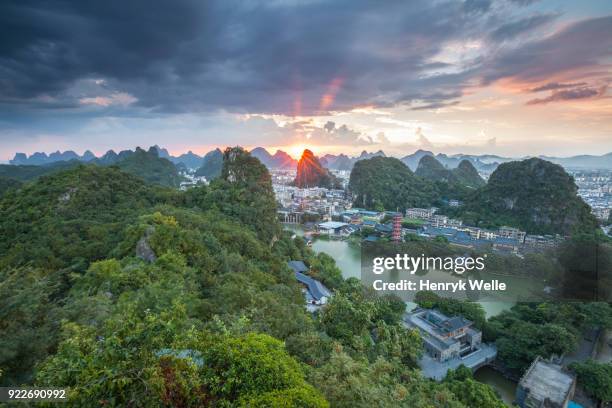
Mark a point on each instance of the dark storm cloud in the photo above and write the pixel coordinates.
(582, 45)
(253, 56)
(240, 56)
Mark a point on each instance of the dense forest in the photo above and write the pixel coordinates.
(133, 294)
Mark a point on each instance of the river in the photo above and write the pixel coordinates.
(504, 387)
(348, 258)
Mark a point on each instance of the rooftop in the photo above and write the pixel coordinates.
(297, 266)
(437, 325)
(546, 380)
(316, 289)
(332, 225)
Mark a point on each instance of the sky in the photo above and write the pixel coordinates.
(508, 77)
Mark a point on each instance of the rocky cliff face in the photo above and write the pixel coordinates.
(310, 173)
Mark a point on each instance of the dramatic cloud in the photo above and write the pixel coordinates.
(568, 95)
(297, 58)
(84, 71)
(552, 86)
(585, 45)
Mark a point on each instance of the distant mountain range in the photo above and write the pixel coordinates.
(279, 160)
(146, 164)
(39, 159)
(485, 163)
(482, 163)
(212, 164)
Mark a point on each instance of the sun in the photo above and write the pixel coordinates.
(296, 151)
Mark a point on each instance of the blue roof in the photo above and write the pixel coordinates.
(370, 213)
(371, 238)
(297, 266)
(383, 228)
(463, 235)
(505, 241)
(332, 225)
(444, 231)
(317, 289)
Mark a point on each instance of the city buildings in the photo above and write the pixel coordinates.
(190, 179)
(449, 342)
(421, 213)
(545, 384)
(298, 205)
(444, 337)
(595, 188)
(508, 239)
(334, 228)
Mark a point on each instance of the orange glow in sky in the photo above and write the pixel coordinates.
(296, 151)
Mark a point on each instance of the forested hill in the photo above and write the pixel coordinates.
(534, 195)
(385, 183)
(137, 295)
(141, 163)
(432, 169)
(150, 167)
(465, 174)
(24, 173)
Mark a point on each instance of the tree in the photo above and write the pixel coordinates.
(471, 392)
(160, 360)
(254, 368)
(323, 267)
(342, 319)
(125, 364)
(595, 378)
